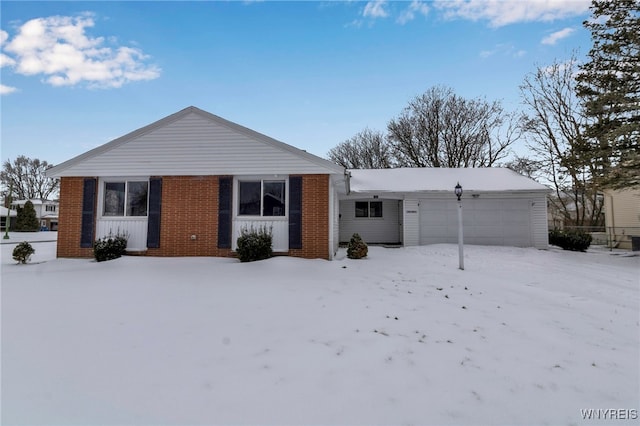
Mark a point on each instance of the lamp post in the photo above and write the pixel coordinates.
(7, 222)
(458, 192)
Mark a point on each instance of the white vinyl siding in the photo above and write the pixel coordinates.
(193, 145)
(539, 221)
(385, 229)
(411, 222)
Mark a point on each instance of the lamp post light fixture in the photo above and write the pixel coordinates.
(458, 192)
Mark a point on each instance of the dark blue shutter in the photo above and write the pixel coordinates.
(295, 212)
(88, 213)
(224, 212)
(153, 218)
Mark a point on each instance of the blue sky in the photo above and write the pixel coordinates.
(312, 74)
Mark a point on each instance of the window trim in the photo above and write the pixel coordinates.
(262, 179)
(102, 193)
(368, 216)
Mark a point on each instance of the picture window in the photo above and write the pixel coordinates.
(128, 198)
(262, 198)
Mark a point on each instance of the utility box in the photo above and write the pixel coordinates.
(635, 243)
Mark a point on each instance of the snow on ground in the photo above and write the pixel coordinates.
(521, 336)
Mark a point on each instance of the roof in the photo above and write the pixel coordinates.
(34, 201)
(193, 142)
(441, 180)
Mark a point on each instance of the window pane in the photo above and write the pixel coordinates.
(362, 209)
(249, 198)
(375, 209)
(114, 199)
(137, 198)
(273, 200)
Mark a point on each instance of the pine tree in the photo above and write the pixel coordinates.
(26, 220)
(609, 86)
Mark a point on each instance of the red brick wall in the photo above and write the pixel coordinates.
(315, 218)
(189, 207)
(70, 218)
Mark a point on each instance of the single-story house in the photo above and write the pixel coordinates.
(46, 211)
(188, 184)
(417, 206)
(622, 217)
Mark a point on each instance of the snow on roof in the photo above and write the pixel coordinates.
(441, 179)
(4, 211)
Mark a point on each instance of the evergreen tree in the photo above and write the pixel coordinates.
(26, 220)
(609, 86)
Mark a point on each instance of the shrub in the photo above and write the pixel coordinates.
(26, 219)
(570, 239)
(22, 252)
(254, 244)
(357, 248)
(110, 247)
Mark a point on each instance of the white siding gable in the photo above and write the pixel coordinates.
(193, 142)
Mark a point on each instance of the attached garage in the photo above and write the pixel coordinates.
(500, 207)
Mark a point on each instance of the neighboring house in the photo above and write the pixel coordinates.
(4, 212)
(417, 206)
(622, 217)
(46, 212)
(188, 184)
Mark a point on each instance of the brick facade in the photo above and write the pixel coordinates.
(315, 218)
(70, 218)
(190, 207)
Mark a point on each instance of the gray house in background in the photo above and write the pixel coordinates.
(417, 206)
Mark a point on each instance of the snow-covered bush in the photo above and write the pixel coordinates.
(254, 244)
(22, 252)
(357, 249)
(110, 247)
(570, 239)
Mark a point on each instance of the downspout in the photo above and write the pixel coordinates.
(613, 224)
(347, 181)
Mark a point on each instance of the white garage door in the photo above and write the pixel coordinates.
(486, 221)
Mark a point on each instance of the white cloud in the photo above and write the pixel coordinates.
(59, 48)
(558, 35)
(409, 13)
(503, 12)
(5, 90)
(504, 49)
(375, 9)
(6, 61)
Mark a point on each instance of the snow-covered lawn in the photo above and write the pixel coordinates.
(521, 336)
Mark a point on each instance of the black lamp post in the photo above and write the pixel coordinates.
(458, 192)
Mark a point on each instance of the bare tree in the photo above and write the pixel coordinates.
(366, 150)
(442, 129)
(554, 128)
(525, 166)
(27, 180)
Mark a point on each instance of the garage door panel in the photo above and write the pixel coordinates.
(486, 222)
